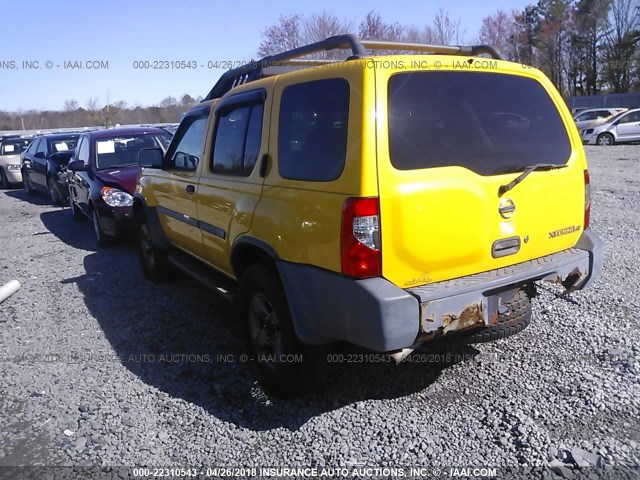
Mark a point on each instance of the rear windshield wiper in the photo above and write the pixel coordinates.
(527, 170)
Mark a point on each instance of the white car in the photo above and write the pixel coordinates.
(595, 116)
(10, 149)
(624, 127)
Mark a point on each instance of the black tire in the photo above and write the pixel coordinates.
(514, 321)
(154, 261)
(284, 362)
(4, 181)
(26, 184)
(102, 239)
(605, 140)
(53, 192)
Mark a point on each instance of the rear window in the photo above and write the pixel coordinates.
(62, 144)
(312, 134)
(488, 123)
(13, 147)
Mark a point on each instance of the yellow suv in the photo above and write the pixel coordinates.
(383, 200)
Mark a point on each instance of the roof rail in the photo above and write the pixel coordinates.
(256, 69)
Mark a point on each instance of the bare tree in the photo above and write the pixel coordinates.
(373, 27)
(446, 30)
(620, 44)
(71, 105)
(499, 30)
(284, 35)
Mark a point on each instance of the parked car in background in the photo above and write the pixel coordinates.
(624, 127)
(595, 116)
(11, 146)
(40, 165)
(105, 169)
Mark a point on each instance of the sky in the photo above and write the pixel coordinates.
(52, 36)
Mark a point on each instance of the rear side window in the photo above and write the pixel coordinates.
(312, 132)
(237, 141)
(488, 123)
(13, 147)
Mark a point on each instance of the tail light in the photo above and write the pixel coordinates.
(361, 246)
(587, 199)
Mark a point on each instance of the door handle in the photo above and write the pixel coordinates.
(190, 189)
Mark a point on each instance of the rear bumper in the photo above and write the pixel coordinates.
(376, 314)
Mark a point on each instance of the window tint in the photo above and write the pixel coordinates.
(237, 142)
(13, 147)
(631, 117)
(489, 123)
(123, 150)
(188, 151)
(588, 116)
(42, 147)
(230, 139)
(254, 137)
(312, 133)
(83, 150)
(62, 144)
(32, 146)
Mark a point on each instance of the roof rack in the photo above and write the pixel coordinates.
(256, 69)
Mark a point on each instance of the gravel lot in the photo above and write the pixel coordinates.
(100, 367)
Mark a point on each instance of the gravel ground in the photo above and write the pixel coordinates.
(100, 367)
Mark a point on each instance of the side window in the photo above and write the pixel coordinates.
(83, 150)
(32, 146)
(237, 140)
(188, 150)
(312, 132)
(587, 116)
(630, 118)
(42, 147)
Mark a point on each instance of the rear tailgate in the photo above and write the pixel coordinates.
(447, 140)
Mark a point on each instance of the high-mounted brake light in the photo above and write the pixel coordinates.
(587, 199)
(361, 249)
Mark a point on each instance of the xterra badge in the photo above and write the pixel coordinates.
(564, 231)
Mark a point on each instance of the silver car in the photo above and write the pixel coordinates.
(594, 116)
(10, 149)
(624, 127)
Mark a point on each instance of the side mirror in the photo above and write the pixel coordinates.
(39, 155)
(77, 166)
(151, 157)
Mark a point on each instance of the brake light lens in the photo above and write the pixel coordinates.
(361, 249)
(587, 199)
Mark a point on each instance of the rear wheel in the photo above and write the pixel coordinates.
(284, 362)
(26, 184)
(155, 262)
(605, 139)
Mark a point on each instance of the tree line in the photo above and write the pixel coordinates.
(586, 47)
(93, 113)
